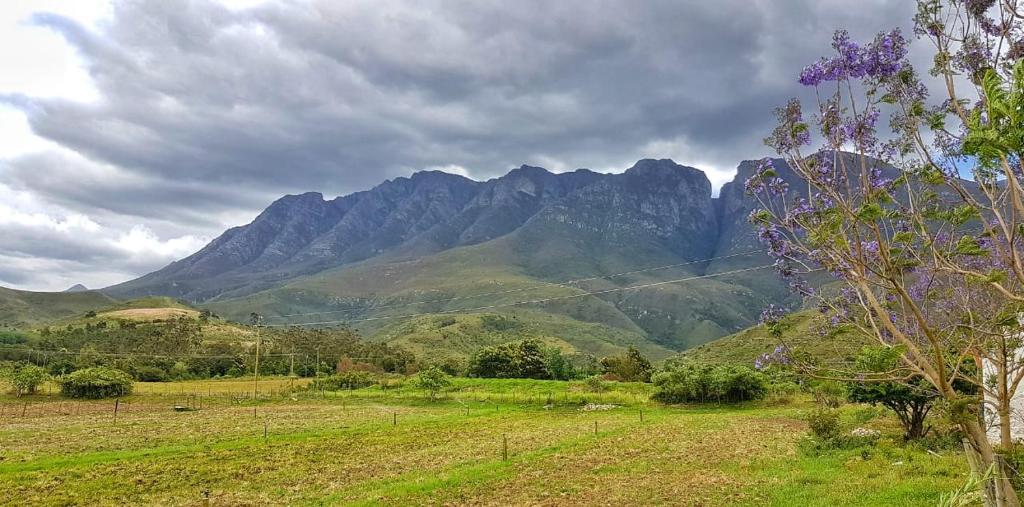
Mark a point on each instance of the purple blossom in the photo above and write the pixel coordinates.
(771, 314)
(799, 213)
(781, 355)
(875, 179)
(802, 288)
(870, 250)
(777, 244)
(753, 185)
(880, 59)
(777, 186)
(861, 130)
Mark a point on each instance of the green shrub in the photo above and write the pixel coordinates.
(26, 378)
(150, 374)
(12, 337)
(596, 384)
(688, 383)
(97, 382)
(522, 359)
(910, 398)
(432, 380)
(824, 423)
(346, 380)
(629, 367)
(781, 392)
(828, 393)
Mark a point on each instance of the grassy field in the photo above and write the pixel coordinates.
(396, 447)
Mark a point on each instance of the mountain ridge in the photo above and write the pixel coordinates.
(414, 240)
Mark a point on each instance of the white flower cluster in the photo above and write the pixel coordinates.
(590, 407)
(865, 432)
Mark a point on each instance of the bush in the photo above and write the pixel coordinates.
(452, 366)
(824, 423)
(150, 374)
(911, 399)
(781, 392)
(558, 366)
(346, 380)
(26, 378)
(596, 384)
(97, 382)
(828, 393)
(629, 367)
(12, 338)
(432, 380)
(522, 359)
(687, 383)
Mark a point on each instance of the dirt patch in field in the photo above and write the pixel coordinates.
(151, 313)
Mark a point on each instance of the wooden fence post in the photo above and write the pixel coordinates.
(117, 403)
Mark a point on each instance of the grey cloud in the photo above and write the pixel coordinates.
(210, 111)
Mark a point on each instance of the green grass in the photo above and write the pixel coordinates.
(345, 448)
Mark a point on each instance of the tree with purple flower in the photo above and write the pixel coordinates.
(923, 225)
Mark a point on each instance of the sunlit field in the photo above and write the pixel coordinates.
(490, 442)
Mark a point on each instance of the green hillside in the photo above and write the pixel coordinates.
(380, 296)
(801, 335)
(25, 309)
(459, 335)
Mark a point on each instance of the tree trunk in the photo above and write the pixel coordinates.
(1005, 436)
(1002, 488)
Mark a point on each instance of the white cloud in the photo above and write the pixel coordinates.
(451, 169)
(140, 242)
(48, 248)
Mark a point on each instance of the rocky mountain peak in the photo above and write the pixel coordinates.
(655, 200)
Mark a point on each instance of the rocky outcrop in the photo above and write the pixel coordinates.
(655, 201)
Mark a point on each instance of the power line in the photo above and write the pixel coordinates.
(520, 289)
(533, 301)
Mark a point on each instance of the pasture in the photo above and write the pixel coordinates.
(486, 442)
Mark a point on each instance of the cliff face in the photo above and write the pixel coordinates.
(654, 205)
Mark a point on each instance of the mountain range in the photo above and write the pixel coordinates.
(436, 258)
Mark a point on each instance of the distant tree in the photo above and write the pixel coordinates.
(98, 382)
(911, 399)
(531, 360)
(433, 380)
(522, 359)
(629, 367)
(557, 365)
(26, 378)
(687, 382)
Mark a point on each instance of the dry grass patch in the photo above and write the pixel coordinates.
(150, 314)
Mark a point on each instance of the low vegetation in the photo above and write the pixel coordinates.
(692, 383)
(566, 445)
(97, 382)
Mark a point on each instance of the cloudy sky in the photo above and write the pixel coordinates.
(132, 132)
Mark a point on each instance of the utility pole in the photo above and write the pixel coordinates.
(256, 320)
